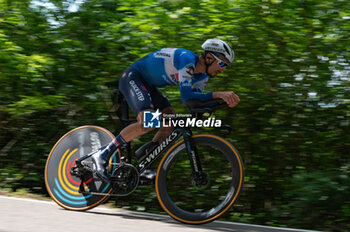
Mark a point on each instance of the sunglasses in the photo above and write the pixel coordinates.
(221, 63)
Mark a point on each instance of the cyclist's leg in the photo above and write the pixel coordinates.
(139, 99)
(135, 130)
(162, 103)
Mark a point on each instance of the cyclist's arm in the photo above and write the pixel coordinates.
(185, 86)
(229, 97)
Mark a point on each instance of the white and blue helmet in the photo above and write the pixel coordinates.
(220, 48)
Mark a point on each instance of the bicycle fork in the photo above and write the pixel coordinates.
(200, 178)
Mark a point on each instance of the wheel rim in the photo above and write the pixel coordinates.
(64, 187)
(189, 204)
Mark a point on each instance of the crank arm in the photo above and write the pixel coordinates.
(102, 194)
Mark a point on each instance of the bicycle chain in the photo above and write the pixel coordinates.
(103, 194)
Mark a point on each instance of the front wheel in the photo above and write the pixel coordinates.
(181, 196)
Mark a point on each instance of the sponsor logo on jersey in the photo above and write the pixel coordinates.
(162, 54)
(190, 69)
(175, 77)
(137, 91)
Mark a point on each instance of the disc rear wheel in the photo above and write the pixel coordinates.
(62, 186)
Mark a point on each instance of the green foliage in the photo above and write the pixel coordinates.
(322, 191)
(291, 73)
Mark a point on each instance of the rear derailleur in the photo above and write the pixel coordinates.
(124, 178)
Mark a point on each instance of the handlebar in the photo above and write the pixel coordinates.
(196, 106)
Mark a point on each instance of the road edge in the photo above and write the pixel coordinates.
(213, 224)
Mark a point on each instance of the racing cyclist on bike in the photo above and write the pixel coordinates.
(167, 66)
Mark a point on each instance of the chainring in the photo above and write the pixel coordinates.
(124, 179)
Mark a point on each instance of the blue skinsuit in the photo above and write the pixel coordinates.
(167, 66)
(174, 66)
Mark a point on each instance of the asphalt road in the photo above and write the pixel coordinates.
(20, 214)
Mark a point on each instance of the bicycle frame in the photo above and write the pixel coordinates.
(174, 136)
(158, 151)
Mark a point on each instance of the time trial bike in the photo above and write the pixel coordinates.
(198, 179)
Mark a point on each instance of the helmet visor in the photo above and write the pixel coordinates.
(221, 63)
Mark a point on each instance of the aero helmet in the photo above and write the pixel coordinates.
(219, 47)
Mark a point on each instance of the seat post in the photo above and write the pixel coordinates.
(124, 111)
(124, 108)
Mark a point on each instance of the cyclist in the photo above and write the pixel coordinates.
(167, 66)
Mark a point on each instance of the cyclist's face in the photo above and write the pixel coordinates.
(216, 67)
